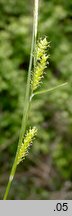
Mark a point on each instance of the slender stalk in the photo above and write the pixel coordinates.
(27, 99)
(36, 17)
(35, 32)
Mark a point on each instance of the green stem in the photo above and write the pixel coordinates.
(10, 178)
(27, 99)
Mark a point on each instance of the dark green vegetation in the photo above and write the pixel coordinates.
(48, 167)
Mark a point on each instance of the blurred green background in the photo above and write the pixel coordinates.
(47, 171)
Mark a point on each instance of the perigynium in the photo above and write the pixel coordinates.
(41, 58)
(27, 141)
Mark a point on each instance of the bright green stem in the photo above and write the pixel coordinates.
(48, 90)
(10, 178)
(27, 99)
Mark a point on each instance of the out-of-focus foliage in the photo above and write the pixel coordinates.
(48, 166)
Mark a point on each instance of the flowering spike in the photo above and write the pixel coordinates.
(41, 63)
(23, 151)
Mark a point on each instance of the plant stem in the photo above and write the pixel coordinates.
(27, 99)
(10, 178)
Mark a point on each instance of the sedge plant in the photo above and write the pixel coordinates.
(39, 60)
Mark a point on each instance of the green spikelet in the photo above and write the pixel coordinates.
(41, 63)
(26, 144)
